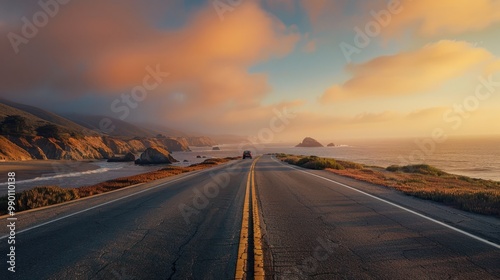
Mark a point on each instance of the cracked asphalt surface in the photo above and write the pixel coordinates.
(144, 236)
(316, 229)
(312, 229)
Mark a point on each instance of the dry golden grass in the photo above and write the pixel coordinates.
(49, 195)
(427, 182)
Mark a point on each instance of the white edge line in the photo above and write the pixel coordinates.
(398, 206)
(105, 203)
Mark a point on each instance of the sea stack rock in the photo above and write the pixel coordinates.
(155, 155)
(309, 142)
(216, 149)
(331, 145)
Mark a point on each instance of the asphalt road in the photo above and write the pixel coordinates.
(313, 226)
(143, 236)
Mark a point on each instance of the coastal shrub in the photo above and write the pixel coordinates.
(304, 160)
(318, 163)
(44, 196)
(48, 131)
(314, 162)
(291, 160)
(393, 168)
(14, 125)
(350, 165)
(424, 169)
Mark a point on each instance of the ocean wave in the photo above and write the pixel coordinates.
(65, 175)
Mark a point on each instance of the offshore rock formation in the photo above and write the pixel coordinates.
(155, 155)
(127, 158)
(309, 142)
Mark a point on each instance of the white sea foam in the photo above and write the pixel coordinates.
(64, 175)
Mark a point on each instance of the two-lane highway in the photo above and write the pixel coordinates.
(228, 222)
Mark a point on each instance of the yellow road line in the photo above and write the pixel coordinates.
(242, 271)
(243, 246)
(257, 235)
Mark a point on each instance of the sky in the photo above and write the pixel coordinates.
(278, 70)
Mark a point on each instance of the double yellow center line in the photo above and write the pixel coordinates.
(250, 264)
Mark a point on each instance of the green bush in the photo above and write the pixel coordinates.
(303, 161)
(350, 165)
(393, 168)
(291, 161)
(314, 162)
(49, 131)
(13, 125)
(424, 169)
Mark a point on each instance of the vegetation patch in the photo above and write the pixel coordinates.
(50, 195)
(423, 181)
(318, 163)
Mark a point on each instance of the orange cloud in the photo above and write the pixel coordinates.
(105, 48)
(409, 72)
(432, 18)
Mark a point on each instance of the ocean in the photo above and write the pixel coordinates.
(473, 157)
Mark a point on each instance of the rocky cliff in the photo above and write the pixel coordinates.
(28, 132)
(155, 155)
(87, 147)
(199, 141)
(10, 151)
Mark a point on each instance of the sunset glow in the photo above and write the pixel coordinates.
(347, 69)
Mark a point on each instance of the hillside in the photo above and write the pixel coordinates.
(122, 129)
(27, 132)
(126, 130)
(36, 116)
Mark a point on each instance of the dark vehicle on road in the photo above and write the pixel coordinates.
(247, 154)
